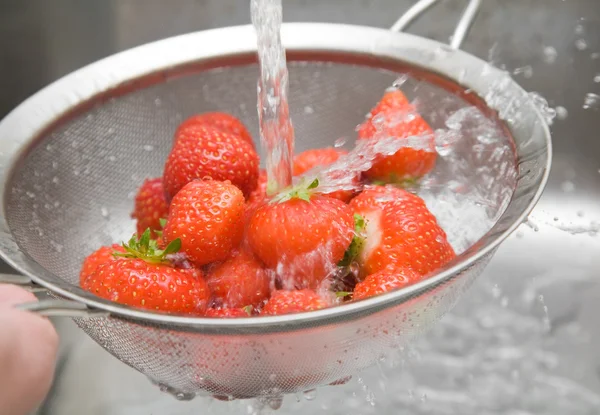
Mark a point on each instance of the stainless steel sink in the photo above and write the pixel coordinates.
(524, 340)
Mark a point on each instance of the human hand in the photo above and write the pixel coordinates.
(28, 347)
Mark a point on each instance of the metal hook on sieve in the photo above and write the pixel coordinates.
(462, 28)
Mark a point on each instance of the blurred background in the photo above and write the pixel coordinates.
(526, 337)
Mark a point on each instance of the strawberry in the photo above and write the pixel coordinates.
(321, 157)
(97, 258)
(301, 234)
(395, 117)
(387, 279)
(297, 301)
(310, 159)
(400, 230)
(228, 312)
(145, 278)
(204, 151)
(208, 217)
(239, 281)
(150, 206)
(221, 120)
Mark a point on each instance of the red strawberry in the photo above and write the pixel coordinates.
(310, 159)
(97, 258)
(297, 301)
(145, 278)
(387, 279)
(150, 206)
(395, 117)
(208, 217)
(221, 120)
(401, 231)
(227, 312)
(204, 151)
(302, 235)
(239, 281)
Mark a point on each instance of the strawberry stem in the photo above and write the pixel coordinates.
(357, 243)
(145, 248)
(300, 191)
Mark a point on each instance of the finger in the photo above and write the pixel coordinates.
(11, 295)
(28, 348)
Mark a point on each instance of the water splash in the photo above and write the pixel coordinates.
(276, 130)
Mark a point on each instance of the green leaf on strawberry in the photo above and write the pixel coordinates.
(146, 248)
(301, 191)
(343, 294)
(357, 243)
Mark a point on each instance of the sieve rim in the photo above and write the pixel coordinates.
(18, 133)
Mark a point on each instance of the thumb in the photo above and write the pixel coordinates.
(28, 347)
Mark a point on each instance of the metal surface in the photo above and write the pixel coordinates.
(461, 30)
(558, 261)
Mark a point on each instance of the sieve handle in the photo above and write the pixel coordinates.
(22, 281)
(49, 308)
(462, 28)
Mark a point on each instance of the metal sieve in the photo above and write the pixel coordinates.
(72, 156)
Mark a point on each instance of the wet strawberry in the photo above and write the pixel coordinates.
(95, 259)
(145, 278)
(301, 235)
(221, 120)
(297, 301)
(208, 217)
(150, 206)
(388, 279)
(395, 117)
(321, 157)
(400, 231)
(239, 281)
(204, 151)
(228, 312)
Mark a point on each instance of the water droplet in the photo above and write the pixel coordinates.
(424, 397)
(310, 395)
(55, 180)
(579, 29)
(272, 377)
(550, 54)
(308, 110)
(148, 147)
(580, 213)
(401, 80)
(104, 212)
(496, 291)
(504, 302)
(555, 219)
(527, 71)
(581, 44)
(597, 78)
(158, 102)
(561, 113)
(591, 101)
(567, 186)
(340, 142)
(595, 55)
(112, 158)
(275, 402)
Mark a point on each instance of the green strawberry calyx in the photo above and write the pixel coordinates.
(159, 233)
(358, 241)
(343, 294)
(302, 191)
(146, 248)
